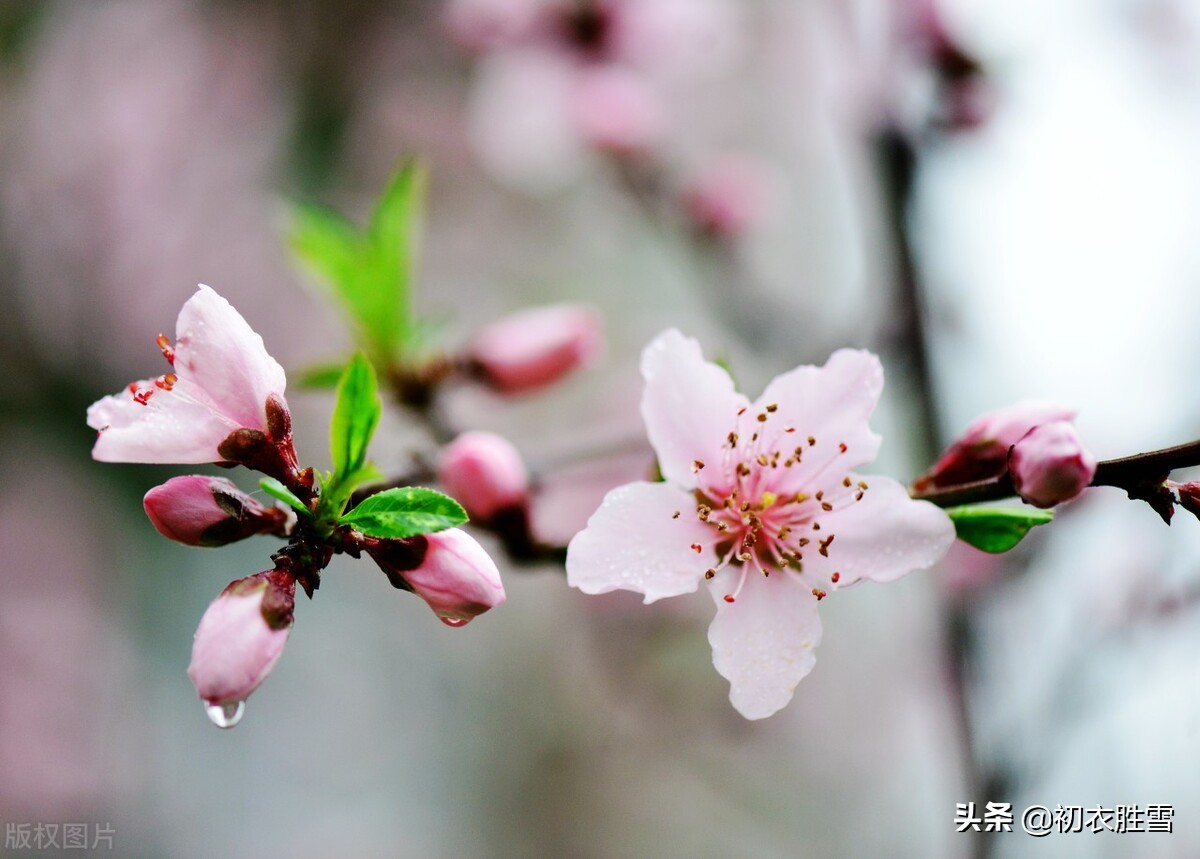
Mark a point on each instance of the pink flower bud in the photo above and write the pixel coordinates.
(982, 451)
(239, 639)
(535, 347)
(485, 473)
(484, 25)
(198, 510)
(616, 111)
(1050, 465)
(449, 570)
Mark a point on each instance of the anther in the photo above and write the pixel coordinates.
(762, 416)
(811, 441)
(817, 592)
(722, 526)
(824, 544)
(697, 548)
(697, 465)
(789, 429)
(733, 439)
(803, 541)
(675, 515)
(165, 346)
(826, 506)
(842, 446)
(862, 484)
(820, 494)
(835, 578)
(144, 396)
(858, 495)
(762, 459)
(742, 411)
(729, 598)
(773, 407)
(846, 482)
(708, 574)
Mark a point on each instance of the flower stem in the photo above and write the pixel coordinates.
(1130, 473)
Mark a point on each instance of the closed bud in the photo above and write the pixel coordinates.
(726, 199)
(981, 452)
(198, 510)
(617, 112)
(1189, 496)
(1050, 465)
(240, 638)
(535, 347)
(449, 570)
(485, 473)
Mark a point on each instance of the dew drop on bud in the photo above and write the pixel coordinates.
(225, 715)
(453, 621)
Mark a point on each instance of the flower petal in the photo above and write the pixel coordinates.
(763, 644)
(833, 405)
(635, 542)
(883, 536)
(218, 350)
(178, 425)
(689, 406)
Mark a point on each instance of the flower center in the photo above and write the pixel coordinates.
(767, 500)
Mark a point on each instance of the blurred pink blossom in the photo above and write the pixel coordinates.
(535, 347)
(485, 473)
(727, 198)
(1050, 465)
(757, 493)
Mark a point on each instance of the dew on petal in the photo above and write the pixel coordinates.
(225, 715)
(453, 621)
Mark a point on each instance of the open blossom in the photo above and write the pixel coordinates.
(221, 400)
(762, 502)
(240, 638)
(982, 450)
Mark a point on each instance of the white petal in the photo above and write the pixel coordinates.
(175, 426)
(832, 404)
(883, 536)
(763, 643)
(689, 405)
(218, 350)
(635, 543)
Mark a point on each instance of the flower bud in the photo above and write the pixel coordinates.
(1189, 496)
(198, 510)
(535, 347)
(241, 636)
(485, 473)
(449, 570)
(982, 451)
(1050, 465)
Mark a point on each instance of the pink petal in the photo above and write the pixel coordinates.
(833, 405)
(763, 644)
(883, 536)
(689, 405)
(634, 542)
(180, 425)
(218, 350)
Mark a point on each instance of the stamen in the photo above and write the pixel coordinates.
(818, 593)
(835, 578)
(675, 515)
(811, 441)
(846, 482)
(842, 446)
(773, 407)
(710, 573)
(824, 544)
(697, 548)
(165, 346)
(733, 439)
(697, 465)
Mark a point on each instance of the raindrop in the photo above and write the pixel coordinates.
(225, 715)
(453, 621)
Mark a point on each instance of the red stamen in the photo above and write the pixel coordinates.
(165, 345)
(729, 598)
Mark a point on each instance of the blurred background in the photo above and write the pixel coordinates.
(1001, 198)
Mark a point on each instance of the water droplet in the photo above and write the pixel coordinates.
(453, 621)
(225, 715)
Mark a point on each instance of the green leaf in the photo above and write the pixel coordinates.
(355, 415)
(405, 512)
(319, 376)
(275, 489)
(996, 529)
(328, 245)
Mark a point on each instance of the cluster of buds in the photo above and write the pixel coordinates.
(223, 403)
(1035, 443)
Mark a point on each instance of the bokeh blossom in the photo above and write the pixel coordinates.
(761, 501)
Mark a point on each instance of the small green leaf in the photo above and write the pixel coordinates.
(275, 489)
(329, 246)
(406, 512)
(996, 529)
(355, 415)
(319, 376)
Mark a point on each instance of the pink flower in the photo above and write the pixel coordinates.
(1050, 465)
(239, 640)
(981, 451)
(221, 401)
(447, 569)
(485, 473)
(535, 347)
(617, 111)
(728, 198)
(198, 510)
(761, 500)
